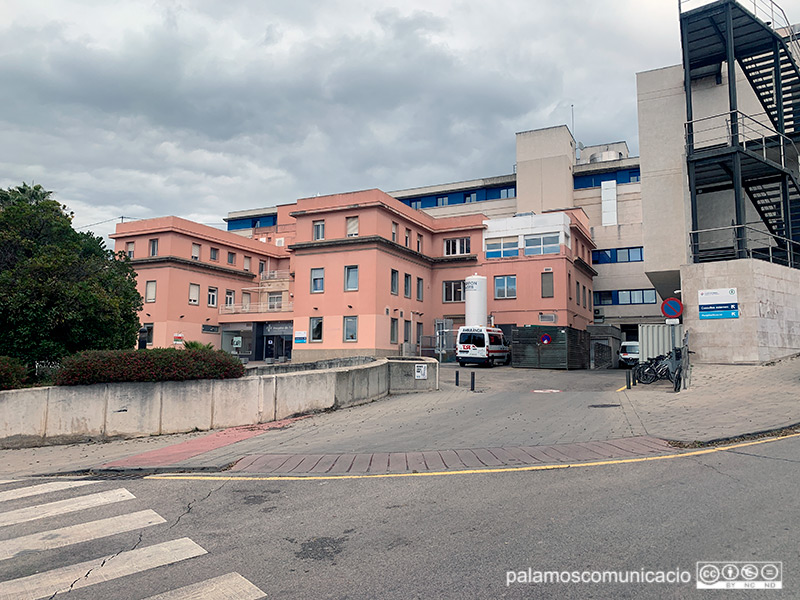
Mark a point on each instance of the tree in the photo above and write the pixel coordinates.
(61, 291)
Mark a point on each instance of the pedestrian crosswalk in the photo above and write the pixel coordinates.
(95, 570)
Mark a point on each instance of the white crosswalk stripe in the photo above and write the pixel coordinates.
(225, 587)
(44, 488)
(60, 581)
(61, 507)
(4, 481)
(75, 534)
(105, 568)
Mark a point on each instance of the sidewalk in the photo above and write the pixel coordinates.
(507, 422)
(723, 402)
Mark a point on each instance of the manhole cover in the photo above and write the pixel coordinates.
(604, 405)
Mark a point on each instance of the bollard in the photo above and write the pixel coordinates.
(456, 378)
(628, 379)
(633, 376)
(472, 381)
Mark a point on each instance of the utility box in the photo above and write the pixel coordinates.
(550, 347)
(656, 339)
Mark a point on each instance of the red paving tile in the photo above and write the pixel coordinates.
(342, 464)
(451, 459)
(416, 462)
(325, 464)
(266, 463)
(506, 457)
(577, 453)
(361, 463)
(190, 448)
(380, 463)
(308, 463)
(434, 461)
(520, 455)
(469, 459)
(397, 462)
(289, 465)
(487, 458)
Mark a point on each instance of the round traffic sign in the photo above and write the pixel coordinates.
(545, 339)
(671, 308)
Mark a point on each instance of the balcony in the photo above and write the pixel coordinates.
(275, 275)
(256, 307)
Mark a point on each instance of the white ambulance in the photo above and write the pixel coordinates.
(482, 345)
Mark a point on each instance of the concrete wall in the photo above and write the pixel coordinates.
(55, 415)
(768, 326)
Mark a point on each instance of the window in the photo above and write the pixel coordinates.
(578, 293)
(471, 197)
(416, 204)
(195, 251)
(230, 297)
(419, 333)
(505, 286)
(407, 285)
(317, 281)
(212, 296)
(584, 296)
(350, 279)
(406, 331)
(129, 249)
(213, 254)
(274, 301)
(408, 238)
(231, 258)
(456, 246)
(350, 329)
(319, 230)
(393, 331)
(546, 243)
(245, 301)
(315, 328)
(262, 266)
(154, 247)
(394, 231)
(351, 226)
(453, 291)
(508, 193)
(194, 293)
(547, 285)
(625, 297)
(608, 195)
(246, 265)
(150, 291)
(420, 288)
(618, 255)
(502, 247)
(149, 327)
(419, 243)
(441, 201)
(395, 282)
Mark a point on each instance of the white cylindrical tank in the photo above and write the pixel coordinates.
(475, 298)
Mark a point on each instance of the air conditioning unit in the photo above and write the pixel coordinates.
(547, 318)
(279, 242)
(598, 312)
(547, 270)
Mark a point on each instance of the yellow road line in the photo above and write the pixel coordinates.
(622, 388)
(620, 461)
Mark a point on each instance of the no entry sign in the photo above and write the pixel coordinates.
(671, 308)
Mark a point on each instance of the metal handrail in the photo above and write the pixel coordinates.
(750, 130)
(774, 252)
(272, 275)
(767, 11)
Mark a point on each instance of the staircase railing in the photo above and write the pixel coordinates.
(716, 131)
(719, 243)
(765, 10)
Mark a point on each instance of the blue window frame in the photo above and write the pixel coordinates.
(623, 297)
(618, 255)
(502, 247)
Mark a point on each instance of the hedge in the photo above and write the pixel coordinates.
(12, 373)
(158, 364)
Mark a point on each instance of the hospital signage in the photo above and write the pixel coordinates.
(722, 303)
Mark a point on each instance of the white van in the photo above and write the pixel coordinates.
(482, 345)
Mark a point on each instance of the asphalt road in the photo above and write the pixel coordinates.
(448, 536)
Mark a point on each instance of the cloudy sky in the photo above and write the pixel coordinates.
(199, 107)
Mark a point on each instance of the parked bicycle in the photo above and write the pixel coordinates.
(665, 366)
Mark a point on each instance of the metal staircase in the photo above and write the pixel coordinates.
(756, 159)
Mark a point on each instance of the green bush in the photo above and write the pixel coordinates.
(158, 364)
(12, 373)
